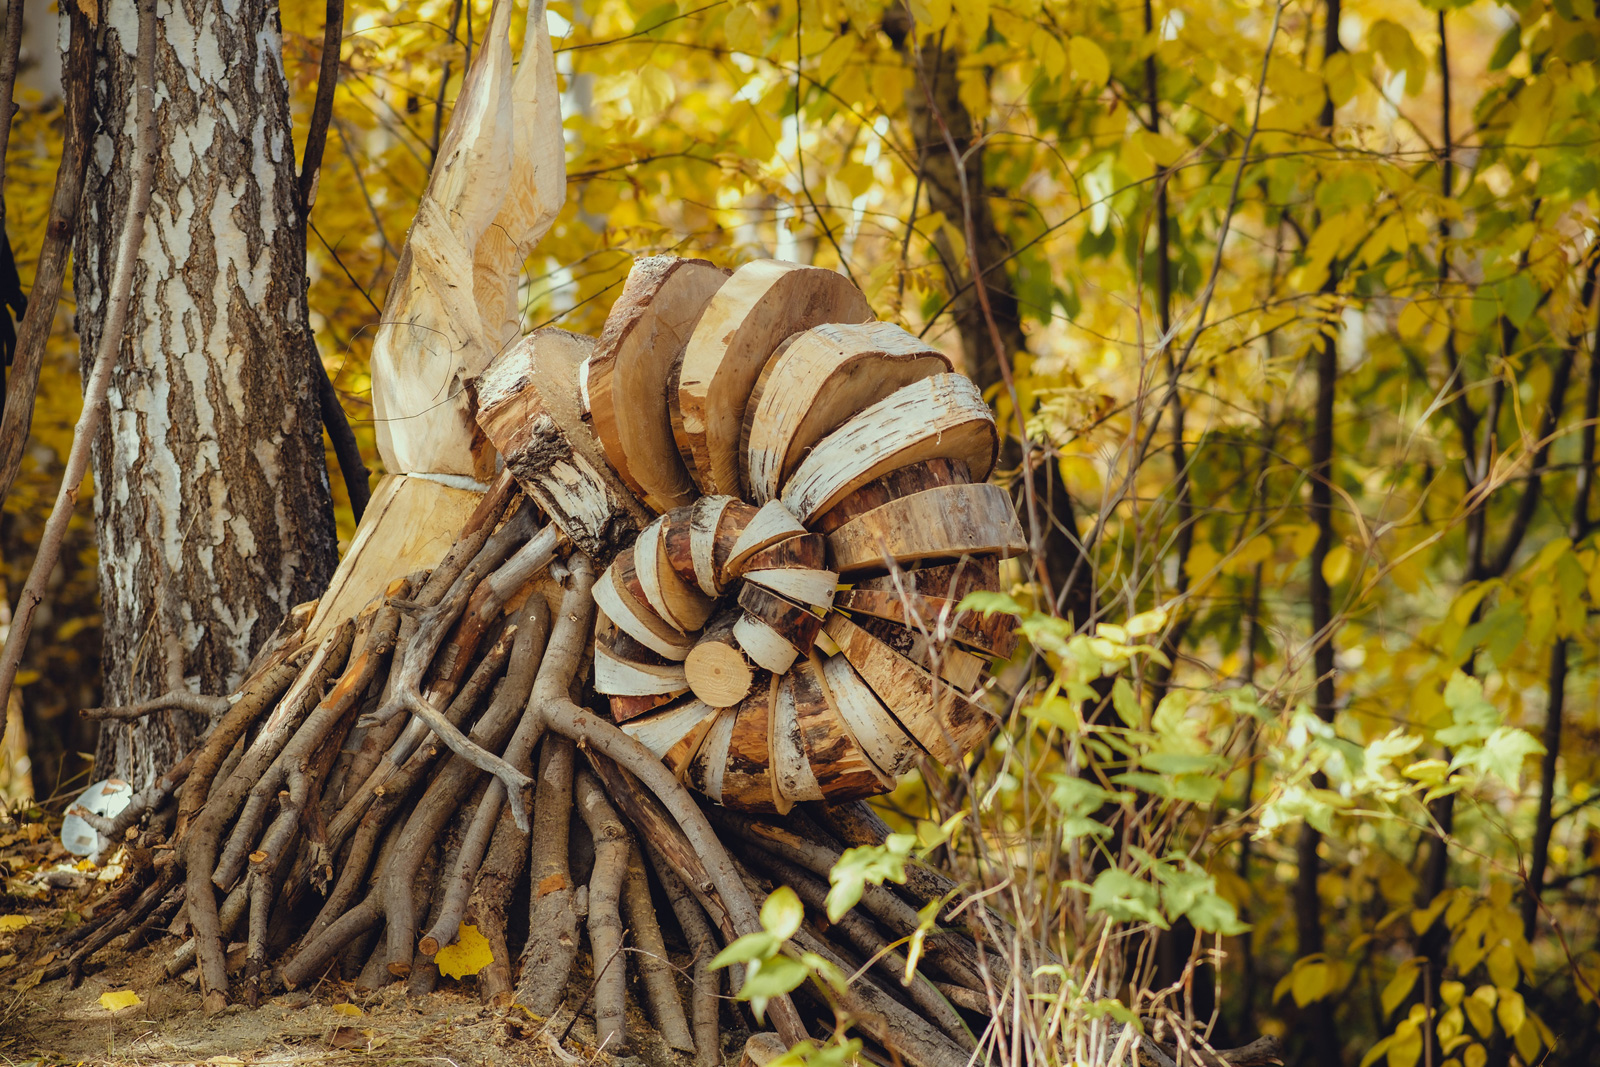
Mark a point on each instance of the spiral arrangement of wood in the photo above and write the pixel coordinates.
(785, 627)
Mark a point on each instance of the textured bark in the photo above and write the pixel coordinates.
(214, 515)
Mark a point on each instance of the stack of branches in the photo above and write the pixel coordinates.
(378, 783)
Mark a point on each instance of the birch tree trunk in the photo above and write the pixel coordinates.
(212, 502)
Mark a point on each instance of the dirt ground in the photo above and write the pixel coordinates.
(48, 1023)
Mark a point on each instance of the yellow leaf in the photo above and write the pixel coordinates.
(1400, 987)
(1336, 564)
(1476, 1056)
(1089, 61)
(974, 18)
(651, 92)
(931, 13)
(743, 29)
(9, 923)
(469, 955)
(1511, 1012)
(348, 1009)
(1047, 50)
(122, 998)
(1311, 981)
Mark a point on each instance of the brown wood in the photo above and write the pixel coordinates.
(928, 474)
(940, 417)
(961, 669)
(766, 613)
(732, 521)
(626, 709)
(881, 737)
(771, 525)
(678, 601)
(761, 305)
(716, 670)
(619, 594)
(705, 522)
(801, 552)
(825, 377)
(703, 772)
(842, 770)
(528, 405)
(630, 368)
(941, 720)
(747, 780)
(791, 773)
(949, 580)
(946, 522)
(994, 634)
(677, 542)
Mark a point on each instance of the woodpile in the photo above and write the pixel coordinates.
(694, 582)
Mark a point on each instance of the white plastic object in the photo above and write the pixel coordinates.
(106, 798)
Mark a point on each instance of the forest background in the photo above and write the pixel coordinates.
(1290, 309)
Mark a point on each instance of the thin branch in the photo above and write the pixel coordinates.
(178, 699)
(111, 340)
(51, 269)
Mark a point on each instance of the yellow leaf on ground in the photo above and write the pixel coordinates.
(469, 955)
(119, 999)
(348, 1009)
(9, 923)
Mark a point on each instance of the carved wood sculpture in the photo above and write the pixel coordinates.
(753, 509)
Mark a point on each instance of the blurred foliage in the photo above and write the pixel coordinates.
(1137, 815)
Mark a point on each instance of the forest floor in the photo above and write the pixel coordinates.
(47, 892)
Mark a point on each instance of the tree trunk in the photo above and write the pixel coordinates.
(212, 503)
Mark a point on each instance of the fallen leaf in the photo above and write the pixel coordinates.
(469, 955)
(121, 998)
(348, 1009)
(9, 923)
(347, 1037)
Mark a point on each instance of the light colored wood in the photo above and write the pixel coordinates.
(897, 483)
(761, 1049)
(704, 522)
(617, 677)
(715, 668)
(947, 522)
(790, 771)
(705, 769)
(942, 416)
(841, 768)
(631, 366)
(940, 719)
(662, 730)
(747, 782)
(801, 552)
(811, 588)
(409, 525)
(754, 311)
(825, 377)
(496, 188)
(889, 747)
(772, 631)
(528, 407)
(954, 665)
(636, 619)
(994, 634)
(683, 605)
(770, 526)
(646, 556)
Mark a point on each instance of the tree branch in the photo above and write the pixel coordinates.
(112, 336)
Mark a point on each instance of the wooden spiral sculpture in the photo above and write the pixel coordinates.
(783, 627)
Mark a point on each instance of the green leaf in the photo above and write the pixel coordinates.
(989, 603)
(782, 914)
(869, 863)
(1125, 898)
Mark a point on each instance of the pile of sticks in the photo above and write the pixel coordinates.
(334, 822)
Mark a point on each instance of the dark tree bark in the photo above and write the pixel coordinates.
(212, 502)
